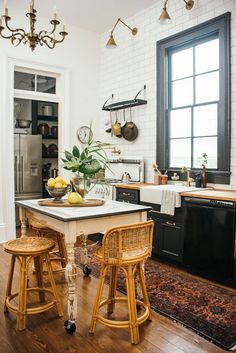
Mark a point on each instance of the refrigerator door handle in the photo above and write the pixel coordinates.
(22, 173)
(16, 174)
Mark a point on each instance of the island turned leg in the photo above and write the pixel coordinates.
(71, 275)
(84, 254)
(22, 215)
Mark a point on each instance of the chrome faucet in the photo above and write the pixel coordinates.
(187, 170)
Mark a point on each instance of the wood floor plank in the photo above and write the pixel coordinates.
(45, 333)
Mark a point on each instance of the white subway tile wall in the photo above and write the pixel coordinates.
(126, 69)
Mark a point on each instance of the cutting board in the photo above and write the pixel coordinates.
(65, 203)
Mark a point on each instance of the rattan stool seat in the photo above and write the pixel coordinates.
(29, 246)
(24, 249)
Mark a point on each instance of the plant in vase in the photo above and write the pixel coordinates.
(86, 162)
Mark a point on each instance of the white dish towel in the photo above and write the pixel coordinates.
(168, 202)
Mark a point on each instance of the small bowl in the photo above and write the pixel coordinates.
(22, 123)
(58, 193)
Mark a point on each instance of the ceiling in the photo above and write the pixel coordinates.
(94, 15)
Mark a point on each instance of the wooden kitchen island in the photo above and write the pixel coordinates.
(79, 221)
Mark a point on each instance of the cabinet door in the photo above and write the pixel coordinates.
(168, 239)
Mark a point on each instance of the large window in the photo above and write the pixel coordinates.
(194, 99)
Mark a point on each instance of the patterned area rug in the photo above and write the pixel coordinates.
(207, 309)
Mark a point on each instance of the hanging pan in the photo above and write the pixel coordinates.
(130, 130)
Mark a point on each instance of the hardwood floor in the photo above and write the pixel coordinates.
(45, 332)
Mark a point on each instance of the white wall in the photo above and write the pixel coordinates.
(126, 69)
(80, 54)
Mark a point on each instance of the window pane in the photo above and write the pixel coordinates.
(207, 56)
(179, 67)
(205, 120)
(182, 92)
(46, 84)
(180, 153)
(207, 87)
(180, 123)
(25, 81)
(206, 145)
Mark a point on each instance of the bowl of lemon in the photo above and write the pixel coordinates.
(57, 188)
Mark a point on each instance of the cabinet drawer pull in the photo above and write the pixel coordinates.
(170, 223)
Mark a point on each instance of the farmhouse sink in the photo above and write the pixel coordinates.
(153, 193)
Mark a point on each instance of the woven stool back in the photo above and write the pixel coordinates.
(132, 240)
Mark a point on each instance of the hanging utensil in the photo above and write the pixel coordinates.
(116, 127)
(123, 122)
(130, 130)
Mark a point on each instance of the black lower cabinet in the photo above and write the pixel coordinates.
(168, 237)
(127, 195)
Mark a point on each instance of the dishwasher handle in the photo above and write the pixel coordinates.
(194, 201)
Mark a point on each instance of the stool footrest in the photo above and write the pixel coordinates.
(123, 323)
(35, 310)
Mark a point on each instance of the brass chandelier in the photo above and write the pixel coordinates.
(32, 38)
(165, 17)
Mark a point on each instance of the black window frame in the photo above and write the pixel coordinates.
(220, 26)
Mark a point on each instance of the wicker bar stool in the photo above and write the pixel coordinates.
(124, 247)
(42, 231)
(24, 249)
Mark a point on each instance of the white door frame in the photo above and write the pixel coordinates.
(7, 194)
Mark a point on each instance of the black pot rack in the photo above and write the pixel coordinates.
(125, 104)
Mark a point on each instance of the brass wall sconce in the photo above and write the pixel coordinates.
(111, 42)
(165, 17)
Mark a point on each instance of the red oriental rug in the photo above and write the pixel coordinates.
(206, 308)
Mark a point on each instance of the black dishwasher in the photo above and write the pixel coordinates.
(209, 239)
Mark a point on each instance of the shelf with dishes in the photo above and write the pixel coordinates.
(47, 118)
(49, 137)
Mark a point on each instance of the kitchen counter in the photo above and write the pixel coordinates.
(132, 186)
(214, 194)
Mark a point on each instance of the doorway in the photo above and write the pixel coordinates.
(7, 195)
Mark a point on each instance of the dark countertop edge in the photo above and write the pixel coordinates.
(85, 217)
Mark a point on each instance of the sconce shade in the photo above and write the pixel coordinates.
(111, 42)
(164, 17)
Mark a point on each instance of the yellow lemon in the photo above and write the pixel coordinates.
(59, 179)
(75, 198)
(58, 185)
(64, 181)
(51, 182)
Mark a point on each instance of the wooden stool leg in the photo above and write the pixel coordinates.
(21, 314)
(9, 281)
(134, 329)
(143, 286)
(53, 284)
(112, 289)
(98, 299)
(39, 276)
(62, 249)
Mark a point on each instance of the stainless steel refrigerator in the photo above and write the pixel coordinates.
(27, 167)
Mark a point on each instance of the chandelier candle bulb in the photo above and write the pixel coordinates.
(55, 13)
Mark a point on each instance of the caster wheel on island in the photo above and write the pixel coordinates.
(70, 326)
(86, 270)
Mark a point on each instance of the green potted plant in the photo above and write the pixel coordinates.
(86, 162)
